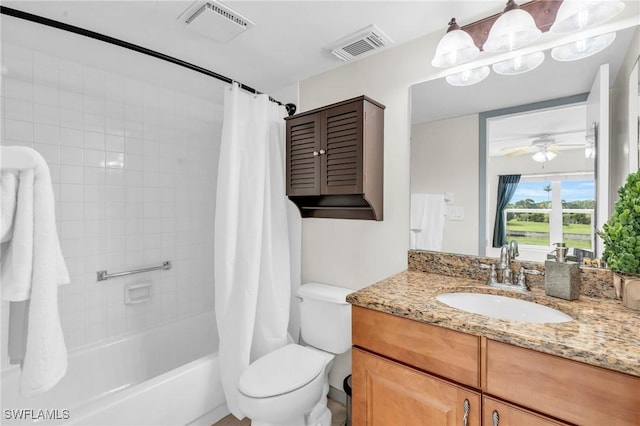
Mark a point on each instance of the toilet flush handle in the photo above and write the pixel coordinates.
(300, 299)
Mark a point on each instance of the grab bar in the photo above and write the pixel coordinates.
(103, 275)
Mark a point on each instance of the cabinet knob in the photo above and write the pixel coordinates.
(495, 417)
(322, 152)
(465, 416)
(315, 153)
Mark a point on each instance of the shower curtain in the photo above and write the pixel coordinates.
(252, 258)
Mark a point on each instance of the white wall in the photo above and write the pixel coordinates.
(133, 159)
(356, 253)
(444, 158)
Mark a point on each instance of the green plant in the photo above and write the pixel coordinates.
(621, 233)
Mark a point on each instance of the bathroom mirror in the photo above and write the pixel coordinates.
(448, 123)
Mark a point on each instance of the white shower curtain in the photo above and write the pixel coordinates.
(252, 259)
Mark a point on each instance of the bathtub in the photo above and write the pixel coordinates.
(166, 375)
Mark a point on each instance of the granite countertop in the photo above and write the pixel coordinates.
(603, 332)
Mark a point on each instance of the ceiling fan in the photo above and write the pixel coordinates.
(544, 147)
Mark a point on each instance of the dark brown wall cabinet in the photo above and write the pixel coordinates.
(335, 160)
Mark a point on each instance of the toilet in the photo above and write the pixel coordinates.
(289, 386)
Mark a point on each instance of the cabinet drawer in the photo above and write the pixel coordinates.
(444, 352)
(387, 393)
(510, 415)
(569, 390)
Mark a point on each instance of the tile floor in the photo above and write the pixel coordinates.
(338, 410)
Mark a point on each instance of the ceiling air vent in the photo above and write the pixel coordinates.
(217, 21)
(360, 43)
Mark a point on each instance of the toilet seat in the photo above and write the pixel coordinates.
(281, 371)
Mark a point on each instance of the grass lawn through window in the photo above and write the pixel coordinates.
(543, 227)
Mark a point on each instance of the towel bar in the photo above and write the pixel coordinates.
(103, 275)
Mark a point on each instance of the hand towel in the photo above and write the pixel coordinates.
(45, 361)
(17, 254)
(8, 198)
(428, 213)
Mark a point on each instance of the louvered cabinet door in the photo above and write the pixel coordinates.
(303, 155)
(341, 159)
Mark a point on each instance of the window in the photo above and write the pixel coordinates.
(552, 209)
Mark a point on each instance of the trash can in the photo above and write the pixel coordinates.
(347, 389)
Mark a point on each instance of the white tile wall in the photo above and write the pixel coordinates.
(134, 168)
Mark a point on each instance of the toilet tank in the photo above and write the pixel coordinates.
(325, 317)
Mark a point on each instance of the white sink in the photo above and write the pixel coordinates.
(502, 307)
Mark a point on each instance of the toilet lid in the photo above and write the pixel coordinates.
(281, 371)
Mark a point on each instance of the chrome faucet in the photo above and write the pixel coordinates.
(508, 252)
(513, 249)
(505, 262)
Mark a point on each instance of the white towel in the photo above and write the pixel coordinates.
(32, 268)
(427, 221)
(17, 254)
(8, 198)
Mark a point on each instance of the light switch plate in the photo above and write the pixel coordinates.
(456, 213)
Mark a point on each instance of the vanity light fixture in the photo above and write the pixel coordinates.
(455, 47)
(468, 77)
(519, 64)
(544, 155)
(582, 48)
(514, 29)
(517, 27)
(578, 15)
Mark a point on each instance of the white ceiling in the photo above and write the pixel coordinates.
(566, 125)
(287, 44)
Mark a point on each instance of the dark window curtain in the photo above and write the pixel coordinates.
(507, 185)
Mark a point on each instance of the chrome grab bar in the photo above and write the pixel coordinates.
(103, 275)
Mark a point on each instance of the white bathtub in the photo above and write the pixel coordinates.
(166, 375)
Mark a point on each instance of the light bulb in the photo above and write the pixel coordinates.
(590, 152)
(582, 48)
(544, 155)
(468, 77)
(515, 28)
(578, 15)
(454, 48)
(519, 64)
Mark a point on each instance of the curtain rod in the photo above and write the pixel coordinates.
(291, 108)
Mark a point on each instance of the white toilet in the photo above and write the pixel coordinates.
(289, 386)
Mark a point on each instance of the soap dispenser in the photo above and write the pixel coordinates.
(561, 278)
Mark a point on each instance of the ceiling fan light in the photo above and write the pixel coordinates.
(454, 48)
(468, 77)
(590, 152)
(519, 64)
(582, 48)
(514, 29)
(543, 156)
(577, 15)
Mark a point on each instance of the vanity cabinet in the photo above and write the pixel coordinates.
(334, 160)
(405, 371)
(496, 413)
(399, 395)
(569, 390)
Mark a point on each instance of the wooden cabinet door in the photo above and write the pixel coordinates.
(303, 155)
(569, 390)
(341, 159)
(497, 413)
(387, 393)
